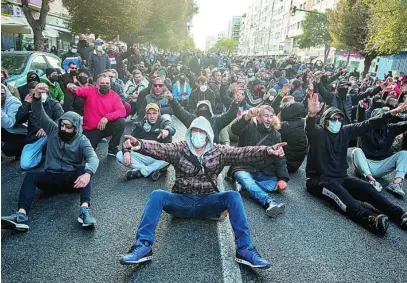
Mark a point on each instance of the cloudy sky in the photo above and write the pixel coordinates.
(214, 16)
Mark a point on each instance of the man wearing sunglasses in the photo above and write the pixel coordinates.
(63, 171)
(327, 166)
(157, 96)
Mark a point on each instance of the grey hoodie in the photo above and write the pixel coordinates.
(62, 157)
(203, 124)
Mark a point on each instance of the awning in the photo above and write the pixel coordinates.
(15, 25)
(61, 29)
(50, 32)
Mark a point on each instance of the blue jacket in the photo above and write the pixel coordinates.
(8, 114)
(178, 89)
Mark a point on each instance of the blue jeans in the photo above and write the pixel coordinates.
(257, 184)
(194, 206)
(32, 154)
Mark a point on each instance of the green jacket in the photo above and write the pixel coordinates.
(54, 90)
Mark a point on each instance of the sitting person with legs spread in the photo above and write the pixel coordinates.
(63, 170)
(155, 127)
(375, 157)
(197, 162)
(103, 114)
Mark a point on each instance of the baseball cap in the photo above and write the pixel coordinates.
(153, 106)
(98, 41)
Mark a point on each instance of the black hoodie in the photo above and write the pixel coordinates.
(24, 89)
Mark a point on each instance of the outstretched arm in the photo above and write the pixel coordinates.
(44, 120)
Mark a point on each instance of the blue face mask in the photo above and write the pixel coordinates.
(198, 140)
(334, 126)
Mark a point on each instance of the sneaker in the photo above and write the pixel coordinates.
(379, 223)
(251, 258)
(376, 185)
(17, 221)
(220, 217)
(133, 174)
(85, 218)
(137, 254)
(156, 175)
(238, 187)
(113, 152)
(403, 223)
(396, 189)
(275, 209)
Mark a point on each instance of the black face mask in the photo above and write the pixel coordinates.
(83, 80)
(342, 92)
(65, 136)
(73, 73)
(53, 78)
(204, 113)
(104, 89)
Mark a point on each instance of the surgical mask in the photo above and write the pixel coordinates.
(99, 48)
(104, 89)
(203, 88)
(44, 97)
(147, 126)
(114, 80)
(198, 140)
(334, 126)
(74, 50)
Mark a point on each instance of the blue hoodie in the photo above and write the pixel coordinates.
(8, 114)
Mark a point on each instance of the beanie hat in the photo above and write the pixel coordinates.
(84, 70)
(282, 81)
(49, 71)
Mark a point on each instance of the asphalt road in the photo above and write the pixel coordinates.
(311, 242)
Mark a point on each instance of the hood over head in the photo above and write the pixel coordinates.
(328, 114)
(204, 102)
(293, 111)
(32, 74)
(75, 119)
(204, 125)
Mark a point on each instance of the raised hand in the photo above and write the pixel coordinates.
(131, 143)
(169, 95)
(314, 106)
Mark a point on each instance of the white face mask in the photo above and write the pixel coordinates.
(203, 88)
(198, 140)
(74, 50)
(99, 48)
(44, 97)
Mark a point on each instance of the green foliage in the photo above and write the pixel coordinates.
(184, 44)
(315, 31)
(387, 27)
(225, 45)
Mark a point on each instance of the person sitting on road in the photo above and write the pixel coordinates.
(14, 91)
(197, 162)
(375, 157)
(63, 170)
(181, 90)
(36, 140)
(204, 109)
(32, 76)
(259, 179)
(73, 102)
(327, 166)
(202, 92)
(118, 88)
(103, 113)
(133, 88)
(13, 134)
(158, 97)
(155, 127)
(51, 81)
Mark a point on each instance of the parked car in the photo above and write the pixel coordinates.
(19, 63)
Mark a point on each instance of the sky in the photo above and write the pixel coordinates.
(214, 16)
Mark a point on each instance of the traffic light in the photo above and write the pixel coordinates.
(292, 10)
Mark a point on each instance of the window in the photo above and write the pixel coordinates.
(39, 63)
(54, 62)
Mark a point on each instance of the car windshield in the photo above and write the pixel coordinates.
(14, 63)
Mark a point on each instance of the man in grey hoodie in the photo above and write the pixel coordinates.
(63, 170)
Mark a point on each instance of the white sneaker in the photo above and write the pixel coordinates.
(238, 187)
(396, 189)
(376, 185)
(274, 209)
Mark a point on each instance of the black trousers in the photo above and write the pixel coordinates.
(52, 183)
(345, 192)
(114, 129)
(133, 108)
(13, 143)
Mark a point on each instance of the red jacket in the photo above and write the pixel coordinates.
(97, 106)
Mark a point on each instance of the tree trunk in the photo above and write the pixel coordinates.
(38, 39)
(348, 59)
(368, 62)
(326, 53)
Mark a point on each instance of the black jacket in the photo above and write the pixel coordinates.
(249, 135)
(292, 132)
(73, 102)
(24, 114)
(197, 95)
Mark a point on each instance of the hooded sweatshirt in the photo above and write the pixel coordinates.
(328, 152)
(197, 95)
(24, 89)
(198, 174)
(62, 157)
(8, 114)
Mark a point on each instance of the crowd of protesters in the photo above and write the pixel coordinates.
(276, 114)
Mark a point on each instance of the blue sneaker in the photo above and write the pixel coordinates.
(85, 218)
(17, 221)
(251, 257)
(137, 254)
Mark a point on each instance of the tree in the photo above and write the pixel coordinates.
(387, 26)
(37, 25)
(224, 45)
(185, 44)
(106, 18)
(315, 33)
(348, 25)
